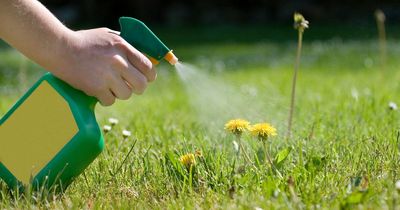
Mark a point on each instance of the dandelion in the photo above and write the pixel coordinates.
(237, 126)
(300, 24)
(263, 131)
(126, 133)
(113, 121)
(188, 160)
(107, 128)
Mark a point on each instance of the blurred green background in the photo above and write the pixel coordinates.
(235, 36)
(221, 12)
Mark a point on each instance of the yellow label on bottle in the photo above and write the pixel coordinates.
(37, 130)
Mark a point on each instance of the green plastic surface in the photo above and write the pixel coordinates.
(142, 38)
(88, 143)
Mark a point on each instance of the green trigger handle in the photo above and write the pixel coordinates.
(136, 33)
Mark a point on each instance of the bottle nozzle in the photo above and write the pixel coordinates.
(171, 58)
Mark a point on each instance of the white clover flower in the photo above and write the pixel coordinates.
(113, 121)
(397, 185)
(126, 133)
(392, 106)
(354, 93)
(107, 128)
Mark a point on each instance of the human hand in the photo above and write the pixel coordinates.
(102, 64)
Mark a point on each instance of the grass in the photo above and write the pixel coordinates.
(344, 149)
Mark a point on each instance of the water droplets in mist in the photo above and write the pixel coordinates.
(217, 101)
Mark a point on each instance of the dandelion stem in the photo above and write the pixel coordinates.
(190, 177)
(238, 138)
(293, 96)
(266, 153)
(268, 158)
(246, 155)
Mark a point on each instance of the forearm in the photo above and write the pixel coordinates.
(29, 27)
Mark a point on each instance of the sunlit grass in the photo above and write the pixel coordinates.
(344, 148)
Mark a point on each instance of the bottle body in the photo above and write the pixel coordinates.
(49, 136)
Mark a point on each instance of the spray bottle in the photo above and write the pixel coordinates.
(51, 135)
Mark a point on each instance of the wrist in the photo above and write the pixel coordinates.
(65, 48)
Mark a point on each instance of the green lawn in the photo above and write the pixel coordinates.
(344, 151)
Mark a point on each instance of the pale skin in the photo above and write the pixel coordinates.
(97, 61)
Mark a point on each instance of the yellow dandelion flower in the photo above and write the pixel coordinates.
(237, 126)
(263, 130)
(188, 160)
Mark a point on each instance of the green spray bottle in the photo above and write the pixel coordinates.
(51, 134)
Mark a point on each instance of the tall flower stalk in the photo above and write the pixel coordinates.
(380, 22)
(300, 24)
